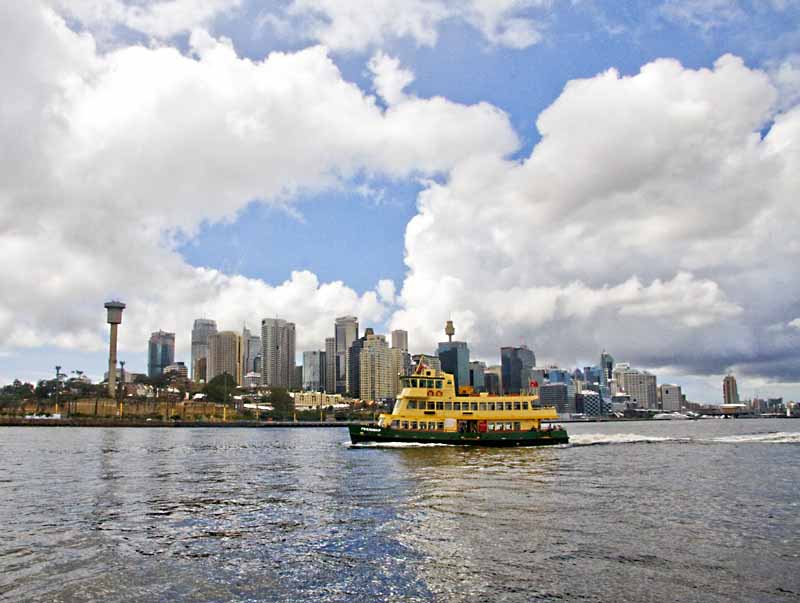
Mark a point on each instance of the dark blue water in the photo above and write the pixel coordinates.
(667, 511)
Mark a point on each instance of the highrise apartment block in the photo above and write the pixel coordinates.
(203, 327)
(639, 385)
(277, 353)
(345, 333)
(400, 339)
(160, 352)
(225, 355)
(376, 381)
(730, 392)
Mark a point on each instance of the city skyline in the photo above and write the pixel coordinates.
(571, 176)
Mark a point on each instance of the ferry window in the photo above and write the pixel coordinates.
(395, 424)
(517, 406)
(456, 405)
(448, 406)
(438, 384)
(440, 426)
(431, 405)
(498, 427)
(405, 424)
(423, 426)
(474, 405)
(483, 405)
(440, 406)
(491, 405)
(508, 426)
(524, 406)
(412, 405)
(413, 382)
(413, 424)
(430, 382)
(508, 405)
(516, 426)
(490, 426)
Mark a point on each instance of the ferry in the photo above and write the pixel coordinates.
(429, 411)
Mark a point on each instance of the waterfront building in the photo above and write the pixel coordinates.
(225, 355)
(203, 327)
(345, 333)
(330, 365)
(400, 339)
(639, 385)
(251, 348)
(376, 381)
(314, 365)
(160, 352)
(477, 380)
(517, 363)
(730, 393)
(670, 398)
(432, 362)
(556, 394)
(313, 400)
(277, 353)
(589, 403)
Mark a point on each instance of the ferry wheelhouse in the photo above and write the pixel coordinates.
(429, 410)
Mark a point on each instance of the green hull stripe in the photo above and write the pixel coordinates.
(364, 434)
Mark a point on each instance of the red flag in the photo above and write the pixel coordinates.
(534, 383)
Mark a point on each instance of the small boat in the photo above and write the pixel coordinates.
(428, 411)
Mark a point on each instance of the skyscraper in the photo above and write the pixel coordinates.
(160, 352)
(203, 327)
(345, 333)
(454, 356)
(376, 381)
(354, 364)
(330, 365)
(477, 371)
(400, 339)
(607, 366)
(639, 385)
(225, 355)
(314, 365)
(251, 348)
(277, 355)
(730, 392)
(516, 365)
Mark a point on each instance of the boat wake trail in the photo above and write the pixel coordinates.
(395, 445)
(605, 439)
(776, 437)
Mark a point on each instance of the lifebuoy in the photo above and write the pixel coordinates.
(439, 394)
(430, 393)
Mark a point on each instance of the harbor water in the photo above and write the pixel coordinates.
(641, 511)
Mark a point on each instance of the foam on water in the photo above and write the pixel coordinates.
(395, 444)
(600, 439)
(775, 437)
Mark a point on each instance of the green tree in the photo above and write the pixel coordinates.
(282, 402)
(221, 388)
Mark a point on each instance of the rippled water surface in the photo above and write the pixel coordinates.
(663, 511)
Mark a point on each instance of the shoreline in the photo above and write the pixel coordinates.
(142, 423)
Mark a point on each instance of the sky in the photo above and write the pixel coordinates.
(575, 176)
